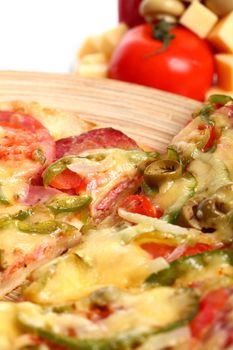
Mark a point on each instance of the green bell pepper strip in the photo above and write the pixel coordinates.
(172, 153)
(134, 156)
(183, 266)
(22, 214)
(204, 113)
(220, 99)
(122, 341)
(45, 227)
(56, 168)
(69, 204)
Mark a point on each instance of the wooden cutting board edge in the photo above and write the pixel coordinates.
(148, 115)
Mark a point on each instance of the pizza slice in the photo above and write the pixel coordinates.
(49, 189)
(26, 149)
(150, 234)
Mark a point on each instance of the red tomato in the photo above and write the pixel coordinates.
(158, 250)
(129, 12)
(196, 249)
(162, 250)
(67, 180)
(99, 313)
(212, 137)
(186, 67)
(210, 306)
(141, 205)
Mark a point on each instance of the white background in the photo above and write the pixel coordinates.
(44, 35)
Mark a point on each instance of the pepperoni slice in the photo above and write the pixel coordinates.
(24, 138)
(94, 139)
(110, 202)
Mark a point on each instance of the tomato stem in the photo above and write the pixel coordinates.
(161, 32)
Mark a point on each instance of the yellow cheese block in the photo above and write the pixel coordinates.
(112, 37)
(222, 35)
(217, 90)
(198, 19)
(95, 58)
(104, 43)
(97, 70)
(224, 64)
(91, 45)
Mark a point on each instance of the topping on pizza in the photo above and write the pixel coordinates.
(106, 246)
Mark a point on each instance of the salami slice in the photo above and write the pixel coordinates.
(94, 139)
(23, 137)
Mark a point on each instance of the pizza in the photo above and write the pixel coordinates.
(106, 245)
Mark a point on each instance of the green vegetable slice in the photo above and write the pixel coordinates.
(184, 188)
(68, 204)
(220, 99)
(183, 302)
(211, 265)
(23, 214)
(172, 153)
(55, 169)
(162, 170)
(45, 227)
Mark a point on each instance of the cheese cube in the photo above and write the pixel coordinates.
(95, 58)
(216, 90)
(92, 70)
(198, 19)
(92, 44)
(112, 38)
(222, 35)
(104, 43)
(224, 65)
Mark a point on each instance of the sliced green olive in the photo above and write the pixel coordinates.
(161, 170)
(187, 216)
(69, 204)
(217, 205)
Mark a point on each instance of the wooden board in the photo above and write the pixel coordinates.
(150, 116)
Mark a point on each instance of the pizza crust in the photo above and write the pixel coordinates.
(59, 123)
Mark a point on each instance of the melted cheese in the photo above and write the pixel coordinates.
(218, 271)
(102, 259)
(14, 180)
(133, 311)
(16, 244)
(9, 329)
